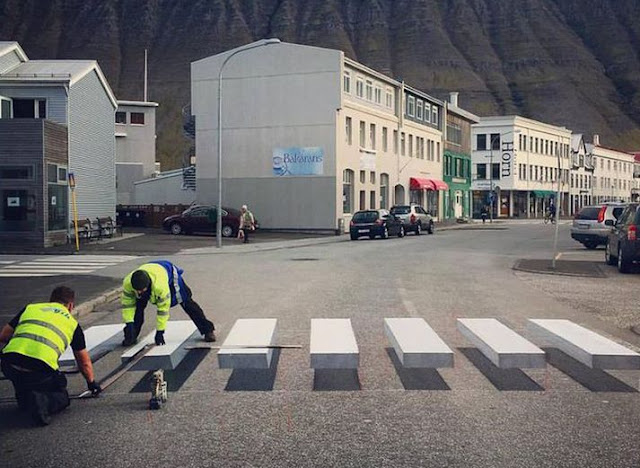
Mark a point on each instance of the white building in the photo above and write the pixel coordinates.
(310, 136)
(135, 130)
(613, 176)
(581, 175)
(518, 159)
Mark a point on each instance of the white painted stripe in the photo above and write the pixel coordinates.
(48, 267)
(58, 265)
(7, 262)
(25, 275)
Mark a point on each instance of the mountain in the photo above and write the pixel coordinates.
(574, 63)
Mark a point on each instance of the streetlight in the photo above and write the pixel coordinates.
(558, 206)
(264, 42)
(491, 140)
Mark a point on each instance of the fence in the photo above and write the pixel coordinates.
(150, 216)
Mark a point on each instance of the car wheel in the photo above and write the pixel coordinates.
(590, 245)
(623, 264)
(227, 231)
(401, 232)
(176, 229)
(418, 229)
(354, 237)
(431, 228)
(385, 233)
(610, 259)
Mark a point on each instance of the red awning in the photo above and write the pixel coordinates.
(417, 183)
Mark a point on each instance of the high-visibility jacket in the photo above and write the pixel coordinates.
(167, 290)
(44, 331)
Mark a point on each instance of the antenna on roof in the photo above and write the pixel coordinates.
(145, 75)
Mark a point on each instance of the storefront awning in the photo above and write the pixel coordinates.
(543, 193)
(416, 183)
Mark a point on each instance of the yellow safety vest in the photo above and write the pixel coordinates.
(160, 295)
(43, 332)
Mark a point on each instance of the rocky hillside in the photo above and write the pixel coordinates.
(568, 62)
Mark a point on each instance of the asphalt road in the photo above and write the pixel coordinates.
(473, 415)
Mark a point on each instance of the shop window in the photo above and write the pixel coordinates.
(347, 190)
(384, 190)
(57, 197)
(18, 210)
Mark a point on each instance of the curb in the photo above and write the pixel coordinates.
(89, 306)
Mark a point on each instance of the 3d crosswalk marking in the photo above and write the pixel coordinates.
(248, 332)
(416, 344)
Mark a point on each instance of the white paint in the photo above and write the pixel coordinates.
(416, 344)
(97, 339)
(333, 344)
(248, 332)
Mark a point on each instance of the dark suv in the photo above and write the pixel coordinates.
(414, 218)
(623, 246)
(372, 223)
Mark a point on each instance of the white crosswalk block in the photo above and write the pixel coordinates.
(251, 333)
(501, 345)
(416, 344)
(98, 339)
(170, 355)
(61, 265)
(333, 344)
(589, 348)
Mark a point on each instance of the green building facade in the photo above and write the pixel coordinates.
(457, 175)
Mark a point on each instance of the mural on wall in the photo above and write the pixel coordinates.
(297, 161)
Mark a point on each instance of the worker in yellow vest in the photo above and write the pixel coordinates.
(36, 339)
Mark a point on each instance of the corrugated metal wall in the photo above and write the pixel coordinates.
(92, 148)
(55, 95)
(8, 61)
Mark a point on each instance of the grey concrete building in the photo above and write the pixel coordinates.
(57, 118)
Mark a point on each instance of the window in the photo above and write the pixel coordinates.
(378, 95)
(389, 99)
(410, 146)
(438, 151)
(372, 135)
(419, 109)
(363, 195)
(495, 141)
(18, 210)
(359, 87)
(369, 89)
(16, 172)
(524, 142)
(346, 82)
(402, 144)
(520, 142)
(363, 176)
(434, 115)
(137, 118)
(481, 171)
(372, 199)
(121, 117)
(411, 106)
(395, 142)
(495, 171)
(362, 134)
(29, 109)
(385, 143)
(384, 190)
(347, 190)
(454, 133)
(481, 142)
(372, 177)
(348, 130)
(536, 145)
(427, 112)
(5, 108)
(57, 195)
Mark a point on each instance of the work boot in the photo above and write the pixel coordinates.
(210, 337)
(39, 408)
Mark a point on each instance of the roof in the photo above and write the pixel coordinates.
(11, 46)
(138, 103)
(462, 113)
(56, 71)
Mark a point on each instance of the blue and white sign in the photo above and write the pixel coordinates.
(298, 161)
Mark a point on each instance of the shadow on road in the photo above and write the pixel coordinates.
(175, 378)
(331, 380)
(254, 380)
(417, 379)
(502, 379)
(595, 380)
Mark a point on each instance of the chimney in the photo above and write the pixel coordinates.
(453, 98)
(596, 139)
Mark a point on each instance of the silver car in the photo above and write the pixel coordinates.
(589, 226)
(414, 218)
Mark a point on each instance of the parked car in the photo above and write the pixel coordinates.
(202, 218)
(414, 218)
(374, 223)
(589, 226)
(623, 246)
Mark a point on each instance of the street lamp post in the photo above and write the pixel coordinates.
(264, 42)
(491, 195)
(558, 207)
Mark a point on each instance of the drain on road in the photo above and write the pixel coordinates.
(305, 259)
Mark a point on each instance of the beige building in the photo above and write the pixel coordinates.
(310, 136)
(613, 175)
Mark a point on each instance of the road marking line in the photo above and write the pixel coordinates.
(408, 305)
(559, 255)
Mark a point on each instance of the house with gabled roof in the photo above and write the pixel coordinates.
(57, 118)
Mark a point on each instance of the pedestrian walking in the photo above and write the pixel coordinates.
(161, 283)
(483, 213)
(36, 339)
(247, 224)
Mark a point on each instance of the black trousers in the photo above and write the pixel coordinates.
(246, 232)
(52, 384)
(191, 307)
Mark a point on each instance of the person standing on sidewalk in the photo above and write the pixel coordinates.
(161, 283)
(36, 339)
(247, 224)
